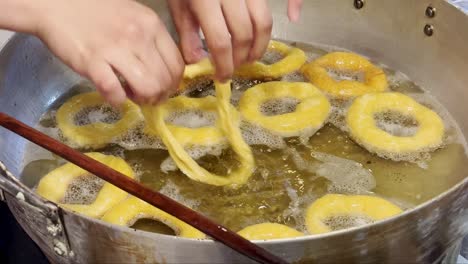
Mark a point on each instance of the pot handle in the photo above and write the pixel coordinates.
(11, 185)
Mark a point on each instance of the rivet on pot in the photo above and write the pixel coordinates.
(358, 4)
(429, 30)
(430, 11)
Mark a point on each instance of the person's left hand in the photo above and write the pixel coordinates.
(236, 31)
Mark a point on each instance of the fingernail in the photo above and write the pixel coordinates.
(294, 17)
(197, 54)
(222, 79)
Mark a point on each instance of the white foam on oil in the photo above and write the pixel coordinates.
(239, 86)
(345, 176)
(271, 57)
(301, 163)
(255, 135)
(83, 190)
(279, 106)
(98, 114)
(195, 153)
(342, 76)
(311, 56)
(297, 205)
(137, 139)
(339, 109)
(199, 88)
(294, 77)
(400, 82)
(396, 124)
(192, 118)
(348, 221)
(172, 191)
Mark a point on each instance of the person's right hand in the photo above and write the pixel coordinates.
(103, 39)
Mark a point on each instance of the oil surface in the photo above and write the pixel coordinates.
(290, 174)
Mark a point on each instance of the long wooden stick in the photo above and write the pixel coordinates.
(191, 217)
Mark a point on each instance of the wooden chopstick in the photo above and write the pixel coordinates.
(191, 217)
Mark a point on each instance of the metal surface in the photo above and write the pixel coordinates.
(430, 11)
(388, 31)
(43, 215)
(429, 30)
(358, 4)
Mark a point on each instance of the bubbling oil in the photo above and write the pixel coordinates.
(290, 173)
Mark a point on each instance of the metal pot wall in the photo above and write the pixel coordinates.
(399, 33)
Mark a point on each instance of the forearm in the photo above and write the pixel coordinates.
(21, 15)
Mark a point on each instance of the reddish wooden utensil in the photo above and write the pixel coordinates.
(191, 217)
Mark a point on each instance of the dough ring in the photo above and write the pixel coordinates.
(132, 209)
(267, 231)
(229, 125)
(293, 59)
(99, 134)
(336, 205)
(54, 185)
(190, 136)
(309, 116)
(363, 128)
(374, 79)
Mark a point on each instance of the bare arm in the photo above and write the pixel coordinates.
(98, 39)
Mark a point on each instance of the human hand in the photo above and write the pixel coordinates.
(294, 9)
(104, 39)
(236, 31)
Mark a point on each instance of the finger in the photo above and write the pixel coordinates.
(107, 83)
(144, 86)
(294, 10)
(217, 36)
(262, 20)
(240, 27)
(169, 54)
(160, 71)
(166, 85)
(188, 29)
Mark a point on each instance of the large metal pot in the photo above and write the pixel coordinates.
(399, 33)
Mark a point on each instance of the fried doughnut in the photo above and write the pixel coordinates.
(187, 136)
(374, 79)
(99, 134)
(229, 125)
(202, 68)
(55, 184)
(310, 113)
(335, 205)
(293, 59)
(266, 231)
(362, 126)
(129, 211)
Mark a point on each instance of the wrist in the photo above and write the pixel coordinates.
(22, 15)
